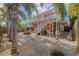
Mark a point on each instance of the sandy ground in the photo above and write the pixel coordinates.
(30, 46)
(6, 53)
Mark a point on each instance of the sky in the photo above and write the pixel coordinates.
(67, 10)
(42, 9)
(1, 4)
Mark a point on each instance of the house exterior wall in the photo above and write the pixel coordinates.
(34, 26)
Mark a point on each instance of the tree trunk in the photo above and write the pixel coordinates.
(8, 18)
(13, 11)
(1, 35)
(76, 28)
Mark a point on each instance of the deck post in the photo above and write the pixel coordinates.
(52, 29)
(56, 30)
(49, 29)
(30, 30)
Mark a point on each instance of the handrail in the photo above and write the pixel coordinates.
(45, 19)
(43, 24)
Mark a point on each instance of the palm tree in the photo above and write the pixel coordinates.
(8, 20)
(13, 16)
(11, 12)
(29, 8)
(60, 8)
(13, 30)
(74, 15)
(8, 13)
(2, 15)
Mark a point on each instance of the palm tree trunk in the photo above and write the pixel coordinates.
(13, 17)
(8, 18)
(13, 38)
(10, 23)
(76, 27)
(1, 35)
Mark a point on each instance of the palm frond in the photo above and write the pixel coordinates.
(22, 14)
(60, 8)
